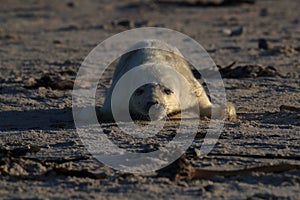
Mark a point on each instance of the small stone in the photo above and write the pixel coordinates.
(226, 31)
(125, 23)
(237, 32)
(18, 79)
(264, 44)
(234, 32)
(284, 108)
(71, 4)
(212, 188)
(12, 37)
(67, 62)
(264, 12)
(56, 42)
(42, 90)
(30, 82)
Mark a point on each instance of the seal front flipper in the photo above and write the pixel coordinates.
(230, 112)
(225, 111)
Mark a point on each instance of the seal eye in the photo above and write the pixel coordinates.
(167, 91)
(139, 92)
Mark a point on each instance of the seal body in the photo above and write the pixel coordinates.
(166, 93)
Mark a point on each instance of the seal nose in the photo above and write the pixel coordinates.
(151, 103)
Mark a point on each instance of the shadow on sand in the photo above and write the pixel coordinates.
(38, 119)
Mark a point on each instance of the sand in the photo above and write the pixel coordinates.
(42, 45)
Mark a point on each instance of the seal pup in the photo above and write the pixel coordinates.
(155, 100)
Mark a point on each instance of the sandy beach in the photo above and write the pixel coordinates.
(255, 44)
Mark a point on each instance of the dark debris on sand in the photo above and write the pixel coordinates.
(248, 71)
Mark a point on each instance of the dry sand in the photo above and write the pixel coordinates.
(41, 154)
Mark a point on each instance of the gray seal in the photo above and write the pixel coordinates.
(156, 100)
